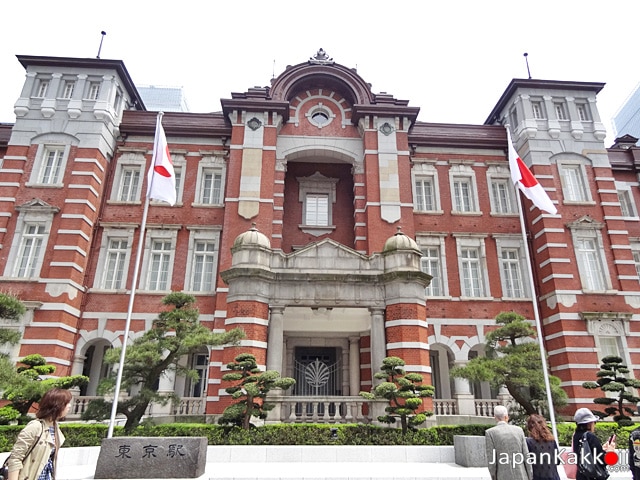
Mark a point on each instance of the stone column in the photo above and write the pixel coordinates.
(445, 383)
(378, 342)
(378, 354)
(275, 360)
(354, 366)
(275, 340)
(466, 400)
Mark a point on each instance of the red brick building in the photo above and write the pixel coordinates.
(325, 220)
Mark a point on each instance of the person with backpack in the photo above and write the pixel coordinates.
(34, 455)
(634, 454)
(588, 448)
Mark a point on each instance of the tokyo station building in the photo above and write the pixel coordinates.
(327, 222)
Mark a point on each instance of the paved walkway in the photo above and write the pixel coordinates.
(309, 463)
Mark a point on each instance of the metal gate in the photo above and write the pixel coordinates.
(318, 374)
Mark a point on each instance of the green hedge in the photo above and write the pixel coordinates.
(84, 435)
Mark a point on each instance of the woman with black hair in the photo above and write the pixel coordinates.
(585, 426)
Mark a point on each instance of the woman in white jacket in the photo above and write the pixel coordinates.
(35, 452)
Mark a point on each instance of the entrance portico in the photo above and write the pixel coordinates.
(331, 314)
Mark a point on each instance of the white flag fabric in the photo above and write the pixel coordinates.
(526, 182)
(161, 179)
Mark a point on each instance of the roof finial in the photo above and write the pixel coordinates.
(321, 58)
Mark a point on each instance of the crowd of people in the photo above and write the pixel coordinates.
(512, 456)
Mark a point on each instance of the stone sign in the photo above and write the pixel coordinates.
(470, 450)
(152, 457)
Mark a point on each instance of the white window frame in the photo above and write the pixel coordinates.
(436, 242)
(591, 262)
(578, 191)
(583, 111)
(104, 257)
(42, 88)
(510, 243)
(158, 235)
(31, 214)
(128, 162)
(459, 174)
(635, 252)
(210, 165)
(500, 176)
(560, 109)
(426, 172)
(197, 235)
(41, 165)
(610, 325)
(68, 87)
(627, 201)
(179, 168)
(316, 186)
(467, 244)
(537, 107)
(93, 89)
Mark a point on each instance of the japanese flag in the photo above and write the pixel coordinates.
(161, 179)
(526, 182)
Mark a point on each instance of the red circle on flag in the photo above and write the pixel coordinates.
(611, 458)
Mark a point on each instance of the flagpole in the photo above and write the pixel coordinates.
(132, 296)
(532, 287)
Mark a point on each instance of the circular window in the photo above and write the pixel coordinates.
(320, 118)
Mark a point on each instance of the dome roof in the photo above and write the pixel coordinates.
(400, 242)
(252, 237)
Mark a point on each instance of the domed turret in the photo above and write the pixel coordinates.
(252, 237)
(400, 241)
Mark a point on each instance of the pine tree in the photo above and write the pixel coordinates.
(612, 379)
(513, 360)
(174, 334)
(250, 390)
(404, 392)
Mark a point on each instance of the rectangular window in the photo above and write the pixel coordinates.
(636, 260)
(463, 195)
(583, 112)
(626, 204)
(511, 273)
(51, 167)
(161, 251)
(501, 196)
(42, 89)
(67, 92)
(589, 258)
(471, 273)
(211, 193)
(430, 263)
(178, 174)
(573, 183)
(204, 264)
(115, 264)
(129, 181)
(94, 90)
(560, 111)
(609, 346)
(29, 252)
(537, 110)
(425, 195)
(317, 209)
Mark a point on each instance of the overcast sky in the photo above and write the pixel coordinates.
(453, 59)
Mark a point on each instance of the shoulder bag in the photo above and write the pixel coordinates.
(4, 470)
